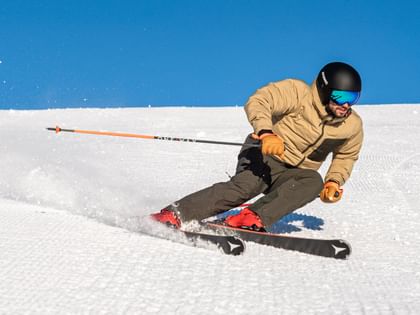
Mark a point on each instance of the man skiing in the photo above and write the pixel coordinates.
(297, 126)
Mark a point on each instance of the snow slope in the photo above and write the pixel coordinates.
(69, 244)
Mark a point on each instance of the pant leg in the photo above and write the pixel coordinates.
(291, 189)
(251, 179)
(220, 197)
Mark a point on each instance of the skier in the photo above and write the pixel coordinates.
(297, 126)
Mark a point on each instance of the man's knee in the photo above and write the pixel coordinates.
(247, 185)
(312, 180)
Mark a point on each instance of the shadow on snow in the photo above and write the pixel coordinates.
(293, 222)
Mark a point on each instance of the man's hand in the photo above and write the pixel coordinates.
(271, 144)
(331, 192)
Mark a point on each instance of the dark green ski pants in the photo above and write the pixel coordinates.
(286, 189)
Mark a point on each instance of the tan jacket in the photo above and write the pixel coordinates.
(293, 110)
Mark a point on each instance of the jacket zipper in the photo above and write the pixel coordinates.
(311, 145)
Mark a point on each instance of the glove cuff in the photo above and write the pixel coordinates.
(265, 131)
(333, 181)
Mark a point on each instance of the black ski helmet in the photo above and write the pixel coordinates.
(337, 76)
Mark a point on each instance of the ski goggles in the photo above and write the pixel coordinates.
(343, 97)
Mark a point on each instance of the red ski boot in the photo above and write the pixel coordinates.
(167, 217)
(246, 219)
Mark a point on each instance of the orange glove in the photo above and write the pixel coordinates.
(331, 192)
(271, 144)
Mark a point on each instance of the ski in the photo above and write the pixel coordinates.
(228, 244)
(333, 248)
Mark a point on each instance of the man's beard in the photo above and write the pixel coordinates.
(331, 112)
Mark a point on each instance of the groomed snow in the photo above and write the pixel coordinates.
(69, 243)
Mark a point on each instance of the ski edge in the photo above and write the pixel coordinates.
(331, 248)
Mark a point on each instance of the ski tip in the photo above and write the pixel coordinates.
(342, 249)
(233, 246)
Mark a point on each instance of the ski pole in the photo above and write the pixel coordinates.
(132, 135)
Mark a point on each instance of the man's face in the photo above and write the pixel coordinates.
(339, 110)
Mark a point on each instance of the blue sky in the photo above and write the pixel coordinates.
(199, 52)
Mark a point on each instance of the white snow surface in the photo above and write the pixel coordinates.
(70, 241)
